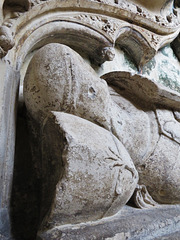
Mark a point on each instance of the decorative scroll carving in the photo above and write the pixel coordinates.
(109, 26)
(6, 40)
(144, 26)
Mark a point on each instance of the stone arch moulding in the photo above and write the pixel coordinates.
(72, 34)
(135, 45)
(97, 26)
(111, 21)
(27, 39)
(141, 45)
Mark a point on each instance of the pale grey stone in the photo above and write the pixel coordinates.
(131, 223)
(162, 169)
(62, 85)
(146, 124)
(95, 175)
(58, 79)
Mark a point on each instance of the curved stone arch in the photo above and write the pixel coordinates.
(115, 10)
(141, 45)
(135, 45)
(51, 11)
(72, 34)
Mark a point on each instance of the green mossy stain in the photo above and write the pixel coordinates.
(169, 75)
(149, 67)
(168, 52)
(129, 62)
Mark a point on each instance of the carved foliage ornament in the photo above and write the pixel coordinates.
(152, 27)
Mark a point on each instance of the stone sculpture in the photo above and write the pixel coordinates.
(100, 109)
(61, 85)
(158, 144)
(91, 164)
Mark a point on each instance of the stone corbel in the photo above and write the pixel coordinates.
(136, 46)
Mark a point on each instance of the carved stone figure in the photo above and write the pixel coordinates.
(61, 85)
(151, 137)
(95, 172)
(98, 119)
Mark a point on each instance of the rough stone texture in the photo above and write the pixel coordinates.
(163, 68)
(62, 85)
(136, 126)
(140, 36)
(59, 83)
(130, 224)
(85, 165)
(165, 185)
(152, 140)
(92, 28)
(155, 6)
(144, 89)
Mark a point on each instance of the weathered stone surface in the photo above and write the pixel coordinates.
(64, 82)
(152, 140)
(162, 69)
(163, 168)
(130, 224)
(169, 126)
(148, 31)
(140, 118)
(8, 94)
(142, 198)
(6, 40)
(90, 171)
(155, 6)
(136, 126)
(62, 85)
